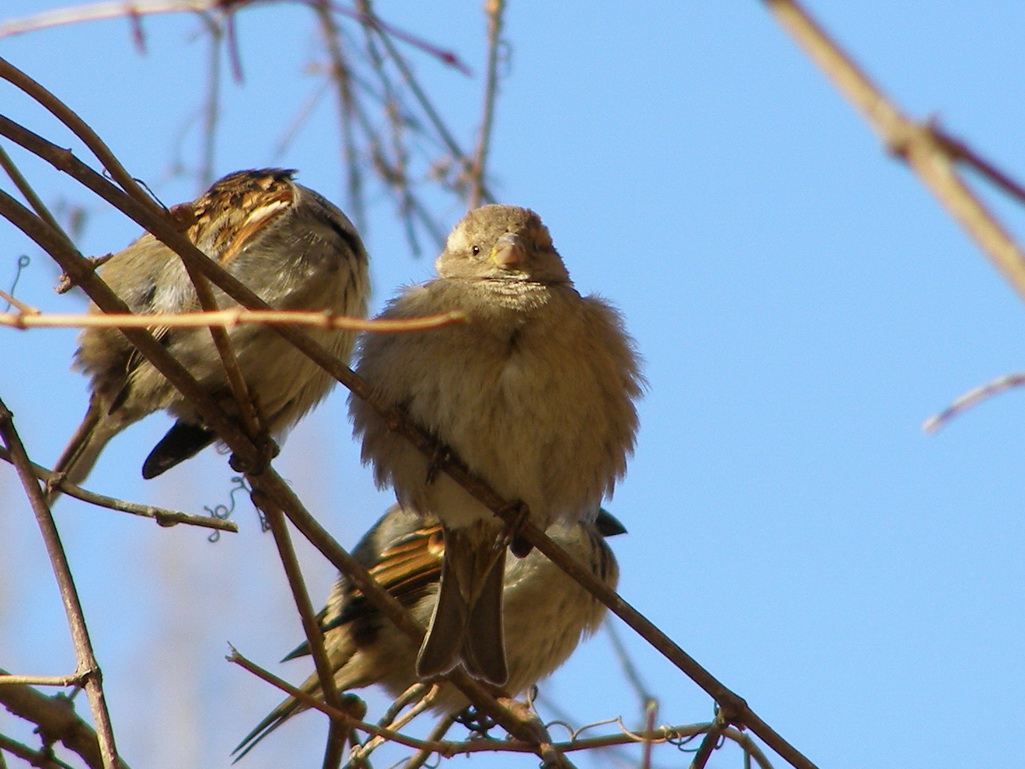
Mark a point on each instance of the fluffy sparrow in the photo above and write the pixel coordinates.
(546, 613)
(535, 392)
(289, 245)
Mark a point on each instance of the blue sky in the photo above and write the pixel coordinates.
(802, 305)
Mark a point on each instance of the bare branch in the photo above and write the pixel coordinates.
(57, 721)
(163, 517)
(75, 679)
(37, 758)
(928, 154)
(334, 713)
(29, 318)
(972, 398)
(30, 196)
(314, 636)
(99, 12)
(494, 9)
(87, 665)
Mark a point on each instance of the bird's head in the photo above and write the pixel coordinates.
(504, 243)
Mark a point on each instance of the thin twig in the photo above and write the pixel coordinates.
(162, 516)
(961, 151)
(928, 155)
(437, 734)
(708, 744)
(212, 102)
(134, 9)
(368, 19)
(38, 758)
(341, 76)
(494, 10)
(78, 127)
(228, 318)
(317, 704)
(75, 679)
(396, 173)
(99, 12)
(417, 693)
(87, 665)
(445, 748)
(29, 194)
(650, 714)
(630, 671)
(426, 105)
(972, 398)
(307, 614)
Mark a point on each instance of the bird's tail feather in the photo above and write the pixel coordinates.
(484, 639)
(86, 444)
(274, 719)
(183, 441)
(467, 622)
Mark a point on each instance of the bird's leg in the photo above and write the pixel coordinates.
(268, 449)
(266, 446)
(515, 515)
(441, 455)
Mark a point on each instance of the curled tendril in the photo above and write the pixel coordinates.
(681, 742)
(223, 512)
(23, 261)
(477, 723)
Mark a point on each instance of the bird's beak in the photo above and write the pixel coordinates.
(509, 252)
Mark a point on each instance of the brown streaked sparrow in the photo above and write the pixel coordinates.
(289, 245)
(535, 393)
(546, 612)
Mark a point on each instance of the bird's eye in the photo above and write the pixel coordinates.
(475, 250)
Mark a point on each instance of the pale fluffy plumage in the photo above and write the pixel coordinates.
(546, 613)
(535, 392)
(285, 242)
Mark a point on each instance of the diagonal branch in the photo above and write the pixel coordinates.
(314, 636)
(930, 155)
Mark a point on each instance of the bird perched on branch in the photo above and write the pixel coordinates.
(535, 393)
(546, 612)
(291, 247)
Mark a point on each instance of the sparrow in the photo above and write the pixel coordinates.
(289, 245)
(546, 612)
(535, 392)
